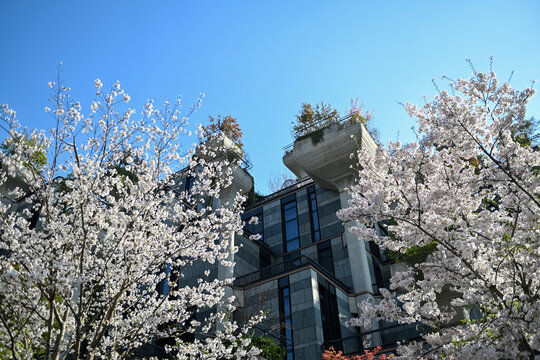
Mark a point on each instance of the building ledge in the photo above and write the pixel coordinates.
(287, 267)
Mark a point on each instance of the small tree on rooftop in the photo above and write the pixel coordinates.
(357, 114)
(310, 119)
(226, 125)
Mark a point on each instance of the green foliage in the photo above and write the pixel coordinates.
(414, 255)
(525, 132)
(356, 118)
(316, 136)
(418, 254)
(253, 198)
(36, 157)
(126, 174)
(227, 125)
(270, 350)
(312, 118)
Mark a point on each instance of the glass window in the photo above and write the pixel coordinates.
(286, 316)
(253, 229)
(329, 314)
(324, 252)
(258, 228)
(291, 229)
(314, 214)
(289, 211)
(291, 239)
(189, 182)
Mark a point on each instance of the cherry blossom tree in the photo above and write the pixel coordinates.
(87, 234)
(462, 203)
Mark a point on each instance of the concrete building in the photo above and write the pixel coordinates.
(307, 272)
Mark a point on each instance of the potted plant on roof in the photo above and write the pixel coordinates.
(324, 143)
(311, 120)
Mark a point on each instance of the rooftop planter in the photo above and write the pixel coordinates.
(224, 137)
(223, 141)
(322, 149)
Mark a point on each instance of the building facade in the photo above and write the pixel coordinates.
(307, 272)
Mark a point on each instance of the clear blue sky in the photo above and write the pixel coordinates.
(258, 61)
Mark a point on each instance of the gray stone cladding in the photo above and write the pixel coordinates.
(247, 257)
(272, 226)
(328, 204)
(346, 331)
(308, 337)
(340, 255)
(306, 315)
(196, 271)
(262, 297)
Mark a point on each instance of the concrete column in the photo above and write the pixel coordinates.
(360, 269)
(306, 315)
(358, 257)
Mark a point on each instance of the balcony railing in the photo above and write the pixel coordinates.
(282, 192)
(321, 124)
(286, 266)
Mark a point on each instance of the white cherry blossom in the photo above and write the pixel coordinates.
(86, 237)
(466, 195)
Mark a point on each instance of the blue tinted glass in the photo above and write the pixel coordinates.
(189, 182)
(288, 332)
(290, 205)
(291, 229)
(289, 212)
(293, 244)
(325, 256)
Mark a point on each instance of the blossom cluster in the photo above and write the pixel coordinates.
(88, 235)
(466, 196)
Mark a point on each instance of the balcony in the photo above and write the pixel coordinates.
(287, 267)
(324, 154)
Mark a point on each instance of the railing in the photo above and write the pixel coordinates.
(244, 163)
(279, 193)
(316, 126)
(320, 124)
(264, 246)
(297, 264)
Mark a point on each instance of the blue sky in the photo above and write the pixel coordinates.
(258, 61)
